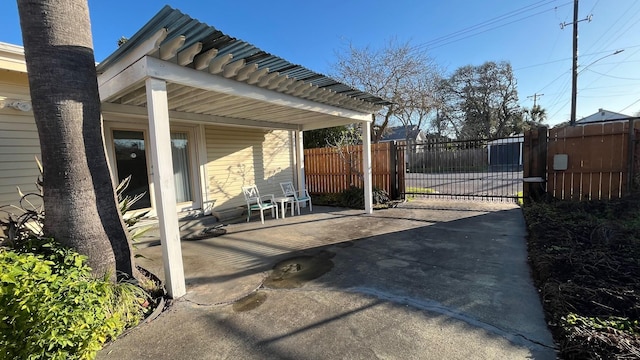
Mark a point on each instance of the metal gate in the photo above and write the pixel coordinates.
(482, 169)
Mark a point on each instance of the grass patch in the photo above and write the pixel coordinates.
(585, 258)
(520, 198)
(411, 192)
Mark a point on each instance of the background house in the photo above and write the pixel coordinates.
(601, 116)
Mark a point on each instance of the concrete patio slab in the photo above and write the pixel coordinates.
(426, 280)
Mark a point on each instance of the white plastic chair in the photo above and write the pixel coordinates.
(257, 202)
(301, 196)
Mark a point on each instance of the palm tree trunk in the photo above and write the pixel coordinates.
(79, 200)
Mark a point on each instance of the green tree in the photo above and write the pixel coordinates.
(534, 116)
(481, 102)
(333, 136)
(79, 199)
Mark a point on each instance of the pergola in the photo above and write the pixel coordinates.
(176, 67)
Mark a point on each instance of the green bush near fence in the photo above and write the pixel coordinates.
(353, 198)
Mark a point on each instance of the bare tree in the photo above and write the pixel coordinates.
(79, 200)
(419, 101)
(398, 73)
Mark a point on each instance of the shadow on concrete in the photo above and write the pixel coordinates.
(420, 268)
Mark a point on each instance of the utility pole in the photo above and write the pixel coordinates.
(574, 72)
(535, 97)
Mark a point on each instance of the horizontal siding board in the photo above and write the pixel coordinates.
(20, 142)
(9, 118)
(17, 174)
(240, 156)
(17, 126)
(19, 157)
(19, 165)
(14, 134)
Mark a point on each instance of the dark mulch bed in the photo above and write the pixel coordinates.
(585, 258)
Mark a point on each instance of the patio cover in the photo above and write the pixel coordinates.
(177, 67)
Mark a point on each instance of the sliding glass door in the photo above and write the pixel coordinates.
(130, 147)
(131, 160)
(181, 166)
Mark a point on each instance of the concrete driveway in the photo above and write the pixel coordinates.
(427, 280)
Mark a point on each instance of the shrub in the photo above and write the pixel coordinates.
(53, 308)
(353, 197)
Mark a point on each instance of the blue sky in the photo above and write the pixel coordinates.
(525, 33)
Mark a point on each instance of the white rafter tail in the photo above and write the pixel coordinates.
(345, 99)
(307, 92)
(294, 86)
(169, 49)
(274, 83)
(334, 97)
(351, 103)
(218, 63)
(266, 79)
(330, 94)
(356, 103)
(285, 84)
(231, 69)
(324, 94)
(201, 61)
(315, 93)
(245, 72)
(256, 76)
(186, 56)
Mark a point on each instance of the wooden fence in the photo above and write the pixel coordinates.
(594, 161)
(332, 170)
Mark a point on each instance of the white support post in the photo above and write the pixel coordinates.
(366, 167)
(165, 193)
(300, 160)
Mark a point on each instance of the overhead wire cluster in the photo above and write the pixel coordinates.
(625, 23)
(511, 17)
(558, 100)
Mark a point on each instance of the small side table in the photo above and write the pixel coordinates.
(283, 204)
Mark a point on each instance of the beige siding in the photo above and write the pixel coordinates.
(239, 156)
(19, 143)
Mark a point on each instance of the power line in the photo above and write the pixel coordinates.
(455, 36)
(568, 58)
(615, 26)
(483, 24)
(630, 105)
(611, 76)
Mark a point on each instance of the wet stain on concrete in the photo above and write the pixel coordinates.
(294, 272)
(250, 302)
